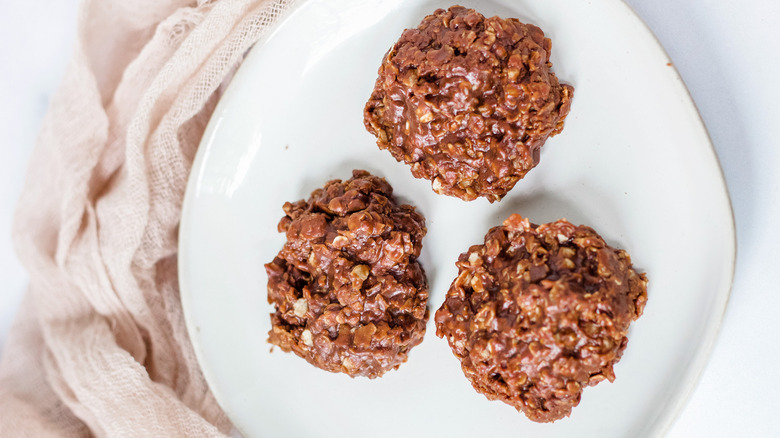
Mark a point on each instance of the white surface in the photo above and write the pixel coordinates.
(725, 52)
(610, 169)
(35, 44)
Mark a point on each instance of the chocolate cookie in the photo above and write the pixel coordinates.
(467, 102)
(537, 313)
(349, 293)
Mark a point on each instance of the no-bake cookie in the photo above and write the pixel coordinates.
(349, 293)
(467, 102)
(538, 313)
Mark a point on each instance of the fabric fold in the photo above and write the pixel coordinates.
(100, 346)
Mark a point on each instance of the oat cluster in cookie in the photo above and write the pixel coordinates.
(348, 291)
(538, 313)
(468, 102)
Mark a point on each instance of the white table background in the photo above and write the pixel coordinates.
(728, 53)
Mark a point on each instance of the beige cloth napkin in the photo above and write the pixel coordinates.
(99, 346)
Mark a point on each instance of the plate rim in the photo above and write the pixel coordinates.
(693, 373)
(714, 324)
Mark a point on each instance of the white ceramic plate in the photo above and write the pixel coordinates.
(634, 162)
